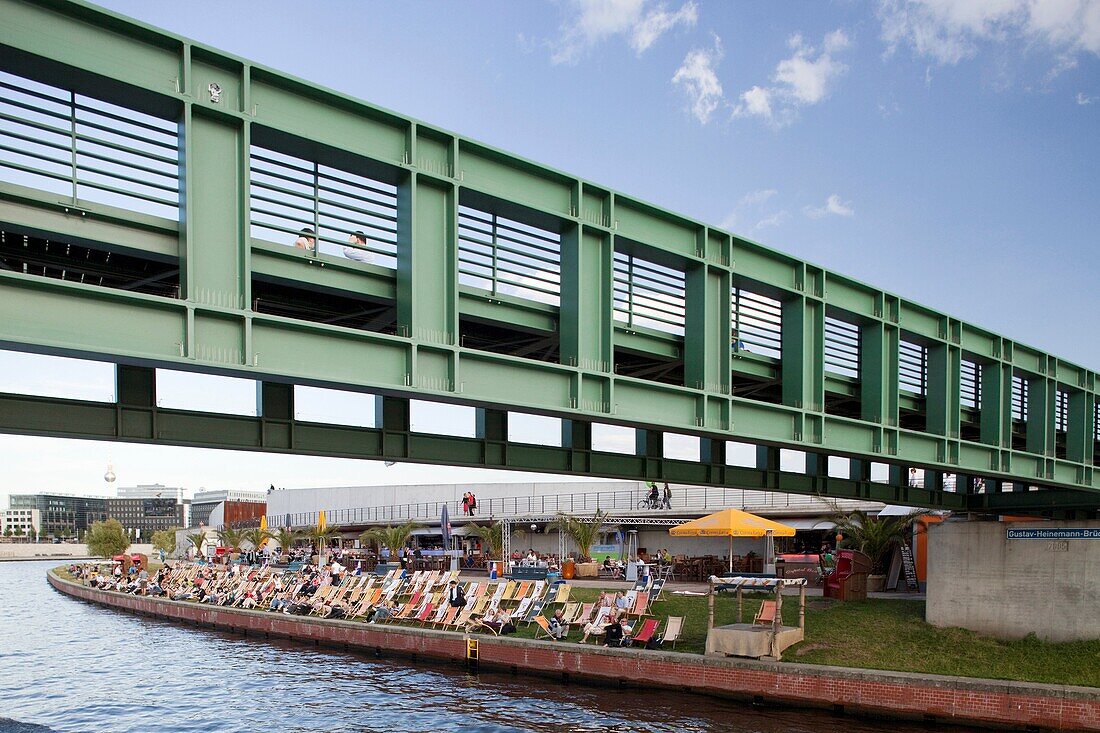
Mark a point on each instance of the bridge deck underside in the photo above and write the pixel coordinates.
(149, 199)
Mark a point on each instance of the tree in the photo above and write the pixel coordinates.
(492, 538)
(165, 540)
(321, 537)
(197, 540)
(875, 537)
(107, 538)
(231, 538)
(393, 538)
(286, 537)
(256, 537)
(7, 532)
(18, 531)
(584, 531)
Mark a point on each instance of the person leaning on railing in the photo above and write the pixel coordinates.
(306, 240)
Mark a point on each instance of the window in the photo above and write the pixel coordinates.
(649, 294)
(508, 257)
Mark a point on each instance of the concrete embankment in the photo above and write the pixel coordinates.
(933, 698)
(11, 551)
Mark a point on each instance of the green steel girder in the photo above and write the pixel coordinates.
(135, 418)
(212, 328)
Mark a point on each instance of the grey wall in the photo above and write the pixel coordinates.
(979, 580)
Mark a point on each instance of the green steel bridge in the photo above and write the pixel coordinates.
(152, 190)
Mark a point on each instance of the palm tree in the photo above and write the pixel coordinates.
(875, 537)
(231, 538)
(584, 531)
(256, 537)
(492, 538)
(321, 537)
(393, 538)
(286, 537)
(197, 540)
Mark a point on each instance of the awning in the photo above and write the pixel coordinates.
(811, 523)
(894, 510)
(731, 523)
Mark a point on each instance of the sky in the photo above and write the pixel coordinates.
(944, 150)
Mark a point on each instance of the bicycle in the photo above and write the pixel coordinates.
(648, 503)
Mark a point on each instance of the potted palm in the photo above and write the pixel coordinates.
(875, 537)
(392, 538)
(584, 531)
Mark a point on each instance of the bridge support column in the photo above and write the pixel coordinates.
(1081, 428)
(492, 430)
(586, 324)
(1040, 415)
(712, 451)
(576, 437)
(276, 414)
(650, 446)
(136, 395)
(394, 422)
(803, 364)
(706, 340)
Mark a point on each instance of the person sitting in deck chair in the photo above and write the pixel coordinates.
(613, 632)
(558, 628)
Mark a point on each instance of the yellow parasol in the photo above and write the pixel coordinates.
(263, 525)
(321, 524)
(732, 523)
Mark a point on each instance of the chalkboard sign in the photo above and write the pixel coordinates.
(909, 567)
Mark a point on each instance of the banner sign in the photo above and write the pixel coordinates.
(1067, 533)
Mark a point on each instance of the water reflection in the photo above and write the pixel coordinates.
(73, 666)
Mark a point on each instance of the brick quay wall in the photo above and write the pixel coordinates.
(932, 698)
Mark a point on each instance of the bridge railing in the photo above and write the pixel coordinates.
(617, 501)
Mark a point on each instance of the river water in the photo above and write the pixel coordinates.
(66, 665)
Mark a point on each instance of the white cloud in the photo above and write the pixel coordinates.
(1083, 99)
(771, 221)
(594, 21)
(833, 207)
(806, 78)
(697, 77)
(752, 201)
(658, 21)
(754, 198)
(949, 31)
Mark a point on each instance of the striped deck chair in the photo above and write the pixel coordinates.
(533, 612)
(463, 618)
(585, 616)
(425, 612)
(640, 607)
(448, 617)
(570, 612)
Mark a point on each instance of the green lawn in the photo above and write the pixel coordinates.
(885, 634)
(877, 634)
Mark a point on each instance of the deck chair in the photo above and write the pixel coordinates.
(449, 613)
(655, 591)
(481, 604)
(552, 594)
(425, 612)
(645, 633)
(462, 618)
(543, 630)
(585, 616)
(766, 614)
(640, 607)
(509, 590)
(521, 609)
(673, 627)
(563, 594)
(570, 612)
(533, 612)
(521, 591)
